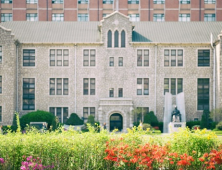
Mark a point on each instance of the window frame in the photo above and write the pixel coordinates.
(55, 17)
(120, 61)
(186, 16)
(134, 17)
(158, 1)
(1, 53)
(140, 116)
(57, 1)
(3, 16)
(83, 1)
(107, 1)
(158, 17)
(88, 112)
(209, 58)
(209, 17)
(143, 60)
(6, 1)
(133, 1)
(179, 62)
(81, 16)
(56, 56)
(0, 84)
(29, 93)
(58, 87)
(30, 63)
(204, 89)
(209, 1)
(120, 92)
(185, 1)
(87, 86)
(31, 1)
(29, 17)
(62, 112)
(111, 61)
(111, 93)
(89, 57)
(176, 89)
(142, 87)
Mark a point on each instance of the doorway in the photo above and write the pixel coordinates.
(116, 122)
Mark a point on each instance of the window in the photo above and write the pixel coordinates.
(83, 1)
(209, 1)
(57, 17)
(142, 57)
(159, 1)
(89, 57)
(28, 94)
(204, 58)
(6, 17)
(120, 92)
(123, 39)
(140, 113)
(31, 17)
(133, 1)
(0, 84)
(184, 17)
(142, 86)
(83, 17)
(0, 113)
(59, 86)
(209, 17)
(89, 87)
(116, 40)
(0, 54)
(6, 1)
(173, 85)
(111, 92)
(120, 61)
(88, 111)
(203, 95)
(109, 40)
(104, 15)
(173, 58)
(61, 112)
(111, 61)
(31, 1)
(184, 1)
(57, 1)
(107, 1)
(59, 57)
(134, 17)
(29, 57)
(158, 17)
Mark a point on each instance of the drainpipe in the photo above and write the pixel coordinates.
(155, 77)
(214, 75)
(75, 77)
(199, 10)
(17, 44)
(47, 10)
(149, 10)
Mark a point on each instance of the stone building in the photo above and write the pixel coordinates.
(109, 68)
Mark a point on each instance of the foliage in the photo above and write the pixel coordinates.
(91, 120)
(204, 123)
(146, 126)
(36, 116)
(151, 118)
(160, 125)
(217, 114)
(190, 124)
(74, 120)
(219, 125)
(195, 127)
(136, 124)
(55, 123)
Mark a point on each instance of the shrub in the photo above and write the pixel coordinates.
(136, 124)
(151, 119)
(219, 126)
(74, 120)
(190, 124)
(204, 123)
(36, 116)
(160, 125)
(91, 120)
(195, 127)
(146, 126)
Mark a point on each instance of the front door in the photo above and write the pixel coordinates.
(116, 122)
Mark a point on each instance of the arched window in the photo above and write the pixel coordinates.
(123, 39)
(116, 35)
(109, 41)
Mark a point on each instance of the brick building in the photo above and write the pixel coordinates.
(95, 10)
(109, 68)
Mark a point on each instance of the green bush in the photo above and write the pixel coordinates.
(136, 124)
(204, 123)
(151, 119)
(91, 120)
(74, 120)
(146, 126)
(190, 124)
(36, 116)
(160, 125)
(219, 126)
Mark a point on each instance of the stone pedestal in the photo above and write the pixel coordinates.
(174, 126)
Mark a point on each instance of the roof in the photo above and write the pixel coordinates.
(87, 32)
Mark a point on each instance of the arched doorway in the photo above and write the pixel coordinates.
(116, 122)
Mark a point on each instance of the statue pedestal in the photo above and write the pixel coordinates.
(174, 126)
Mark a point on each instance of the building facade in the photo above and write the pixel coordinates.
(95, 10)
(109, 68)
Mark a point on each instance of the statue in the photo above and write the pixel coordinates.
(176, 116)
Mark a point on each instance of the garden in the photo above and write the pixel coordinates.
(140, 149)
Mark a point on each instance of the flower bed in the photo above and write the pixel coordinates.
(70, 149)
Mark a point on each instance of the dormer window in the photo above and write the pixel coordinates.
(109, 40)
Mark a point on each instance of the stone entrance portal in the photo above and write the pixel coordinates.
(116, 122)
